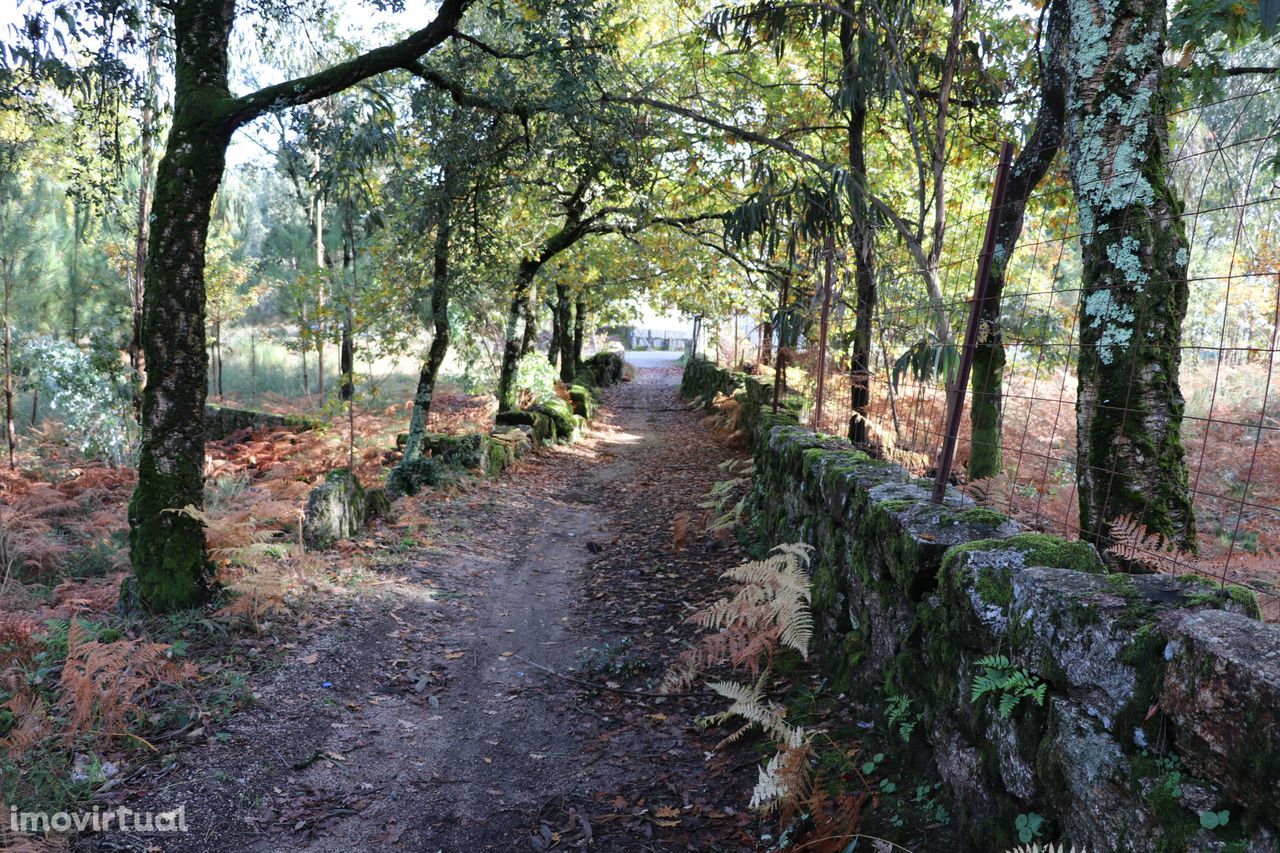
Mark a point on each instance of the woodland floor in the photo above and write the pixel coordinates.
(422, 712)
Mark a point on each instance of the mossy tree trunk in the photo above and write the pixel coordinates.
(529, 313)
(440, 330)
(1029, 168)
(508, 399)
(167, 546)
(1129, 408)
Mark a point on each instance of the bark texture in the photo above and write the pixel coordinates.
(167, 544)
(1134, 293)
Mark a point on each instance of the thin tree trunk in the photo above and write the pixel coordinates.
(10, 434)
(568, 360)
(304, 333)
(146, 169)
(253, 364)
(986, 411)
(35, 406)
(440, 336)
(559, 326)
(347, 354)
(852, 43)
(217, 352)
(579, 331)
(780, 366)
(1130, 459)
(321, 265)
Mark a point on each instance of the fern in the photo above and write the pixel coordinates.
(103, 683)
(749, 703)
(769, 610)
(1010, 685)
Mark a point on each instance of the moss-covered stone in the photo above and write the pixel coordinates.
(604, 368)
(583, 401)
(467, 451)
(410, 476)
(561, 415)
(377, 504)
(222, 421)
(1222, 691)
(335, 509)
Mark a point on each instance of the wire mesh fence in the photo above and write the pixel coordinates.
(1223, 162)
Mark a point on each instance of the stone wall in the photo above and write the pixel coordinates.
(1139, 708)
(222, 421)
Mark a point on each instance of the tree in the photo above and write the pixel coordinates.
(167, 546)
(1130, 459)
(1026, 173)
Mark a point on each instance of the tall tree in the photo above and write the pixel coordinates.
(1130, 459)
(1028, 170)
(167, 545)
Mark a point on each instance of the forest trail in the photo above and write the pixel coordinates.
(424, 714)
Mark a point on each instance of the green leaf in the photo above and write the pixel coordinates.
(1209, 820)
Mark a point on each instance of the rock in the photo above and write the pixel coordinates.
(335, 509)
(411, 475)
(561, 415)
(605, 368)
(1088, 779)
(1222, 691)
(541, 429)
(377, 504)
(467, 451)
(583, 401)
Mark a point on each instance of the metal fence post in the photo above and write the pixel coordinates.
(955, 408)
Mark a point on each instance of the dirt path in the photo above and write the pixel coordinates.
(424, 715)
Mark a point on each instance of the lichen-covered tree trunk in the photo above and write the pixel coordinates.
(440, 333)
(986, 410)
(1129, 408)
(167, 545)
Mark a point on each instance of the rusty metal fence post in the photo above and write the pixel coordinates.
(955, 408)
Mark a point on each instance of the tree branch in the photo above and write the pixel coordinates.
(334, 79)
(462, 97)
